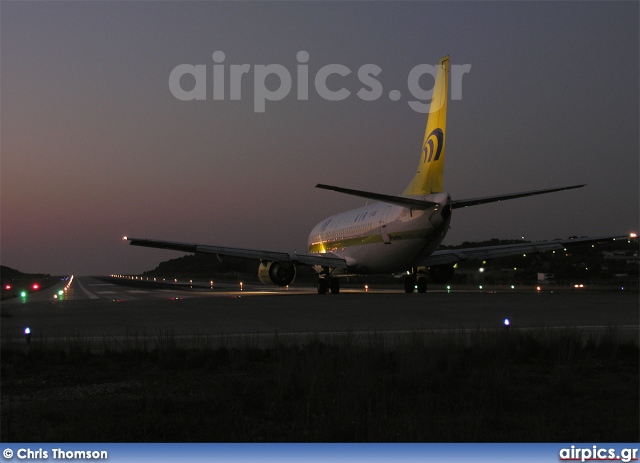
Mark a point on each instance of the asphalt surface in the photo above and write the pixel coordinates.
(96, 309)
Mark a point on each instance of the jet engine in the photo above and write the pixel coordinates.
(277, 273)
(441, 273)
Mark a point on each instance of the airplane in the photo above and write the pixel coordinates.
(392, 234)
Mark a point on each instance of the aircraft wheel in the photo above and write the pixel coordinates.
(409, 284)
(422, 285)
(335, 285)
(323, 286)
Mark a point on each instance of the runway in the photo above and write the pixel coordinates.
(93, 308)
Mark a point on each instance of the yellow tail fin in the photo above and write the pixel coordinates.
(428, 178)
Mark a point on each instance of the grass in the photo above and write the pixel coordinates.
(482, 386)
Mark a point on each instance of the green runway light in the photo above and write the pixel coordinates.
(23, 294)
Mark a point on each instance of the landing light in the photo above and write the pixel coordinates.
(507, 322)
(633, 235)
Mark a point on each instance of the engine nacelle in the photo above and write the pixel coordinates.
(277, 273)
(441, 273)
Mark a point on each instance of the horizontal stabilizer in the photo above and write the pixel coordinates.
(398, 200)
(492, 199)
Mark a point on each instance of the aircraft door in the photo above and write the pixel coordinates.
(383, 226)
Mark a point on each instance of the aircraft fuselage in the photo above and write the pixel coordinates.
(382, 237)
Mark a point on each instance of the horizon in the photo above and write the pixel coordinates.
(97, 143)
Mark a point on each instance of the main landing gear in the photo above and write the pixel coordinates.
(328, 284)
(415, 281)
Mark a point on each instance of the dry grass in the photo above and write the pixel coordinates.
(485, 386)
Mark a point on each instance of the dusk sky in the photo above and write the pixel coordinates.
(94, 144)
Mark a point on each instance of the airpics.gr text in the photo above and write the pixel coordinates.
(274, 82)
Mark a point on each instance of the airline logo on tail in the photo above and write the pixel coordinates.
(434, 139)
(428, 178)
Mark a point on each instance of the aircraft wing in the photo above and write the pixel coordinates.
(325, 260)
(451, 256)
